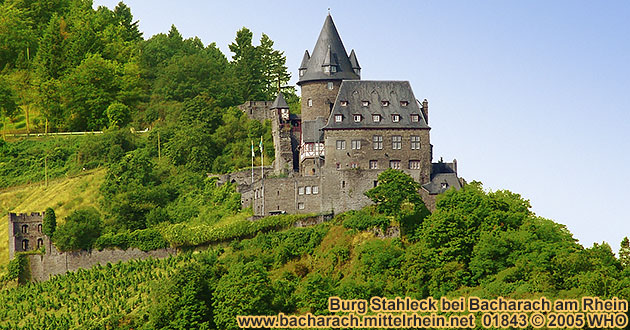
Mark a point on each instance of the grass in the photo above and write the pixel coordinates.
(64, 195)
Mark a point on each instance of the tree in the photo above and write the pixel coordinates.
(118, 114)
(51, 61)
(624, 252)
(248, 66)
(184, 301)
(88, 90)
(244, 290)
(17, 38)
(8, 102)
(80, 230)
(274, 69)
(394, 188)
(50, 222)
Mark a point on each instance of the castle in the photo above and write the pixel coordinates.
(349, 131)
(25, 233)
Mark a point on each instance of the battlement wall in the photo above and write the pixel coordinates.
(53, 262)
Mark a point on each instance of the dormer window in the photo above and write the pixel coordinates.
(385, 103)
(395, 118)
(344, 103)
(333, 69)
(404, 103)
(338, 118)
(376, 118)
(357, 118)
(365, 103)
(444, 185)
(302, 72)
(415, 118)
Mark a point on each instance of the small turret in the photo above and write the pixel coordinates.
(281, 107)
(355, 63)
(304, 65)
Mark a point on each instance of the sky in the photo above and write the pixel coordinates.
(528, 96)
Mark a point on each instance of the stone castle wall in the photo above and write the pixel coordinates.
(53, 262)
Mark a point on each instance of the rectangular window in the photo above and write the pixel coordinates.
(300, 206)
(356, 144)
(338, 118)
(414, 164)
(308, 190)
(300, 190)
(415, 142)
(395, 118)
(330, 85)
(396, 142)
(374, 164)
(310, 102)
(395, 164)
(315, 190)
(415, 118)
(333, 69)
(354, 165)
(377, 142)
(341, 144)
(357, 118)
(376, 118)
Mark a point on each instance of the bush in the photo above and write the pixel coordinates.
(144, 239)
(364, 219)
(81, 229)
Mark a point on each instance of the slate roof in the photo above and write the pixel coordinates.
(329, 50)
(353, 60)
(442, 173)
(279, 102)
(354, 92)
(436, 186)
(312, 130)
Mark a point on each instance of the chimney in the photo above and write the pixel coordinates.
(425, 110)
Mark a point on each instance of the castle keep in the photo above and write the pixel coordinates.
(349, 131)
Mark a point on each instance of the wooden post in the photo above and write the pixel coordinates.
(46, 131)
(159, 148)
(28, 129)
(46, 169)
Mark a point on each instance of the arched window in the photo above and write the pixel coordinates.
(25, 229)
(24, 244)
(40, 243)
(39, 227)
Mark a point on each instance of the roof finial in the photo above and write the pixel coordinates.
(328, 11)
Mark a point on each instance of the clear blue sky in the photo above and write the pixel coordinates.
(530, 96)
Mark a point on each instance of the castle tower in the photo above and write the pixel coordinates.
(25, 232)
(321, 73)
(281, 130)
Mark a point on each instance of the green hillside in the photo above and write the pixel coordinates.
(508, 252)
(64, 195)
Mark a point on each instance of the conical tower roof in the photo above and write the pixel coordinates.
(329, 51)
(279, 102)
(354, 61)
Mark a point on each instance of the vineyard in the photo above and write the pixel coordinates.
(94, 298)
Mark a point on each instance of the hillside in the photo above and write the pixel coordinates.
(478, 243)
(63, 194)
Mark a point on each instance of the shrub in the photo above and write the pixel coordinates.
(81, 229)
